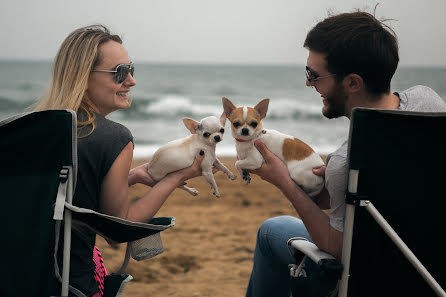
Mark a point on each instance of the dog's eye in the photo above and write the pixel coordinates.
(253, 124)
(236, 124)
(206, 134)
(222, 130)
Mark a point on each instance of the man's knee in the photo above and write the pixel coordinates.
(270, 231)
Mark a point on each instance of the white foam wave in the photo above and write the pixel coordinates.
(143, 152)
(146, 151)
(285, 108)
(288, 108)
(173, 105)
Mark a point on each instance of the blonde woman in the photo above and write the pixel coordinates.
(93, 75)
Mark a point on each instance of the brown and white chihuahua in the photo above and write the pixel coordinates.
(246, 126)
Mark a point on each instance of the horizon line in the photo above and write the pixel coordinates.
(214, 63)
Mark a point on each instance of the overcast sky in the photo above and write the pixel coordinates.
(208, 31)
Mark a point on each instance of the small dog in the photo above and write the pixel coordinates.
(180, 153)
(298, 156)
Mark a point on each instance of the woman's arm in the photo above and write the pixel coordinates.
(140, 175)
(114, 190)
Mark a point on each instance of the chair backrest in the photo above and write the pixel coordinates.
(402, 171)
(33, 149)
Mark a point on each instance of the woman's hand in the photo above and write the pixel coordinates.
(192, 171)
(140, 175)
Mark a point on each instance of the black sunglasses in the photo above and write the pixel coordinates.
(121, 72)
(313, 77)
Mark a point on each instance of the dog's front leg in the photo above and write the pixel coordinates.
(243, 166)
(210, 179)
(192, 191)
(220, 166)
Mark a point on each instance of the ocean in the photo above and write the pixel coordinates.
(165, 93)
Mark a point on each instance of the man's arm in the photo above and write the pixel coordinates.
(316, 221)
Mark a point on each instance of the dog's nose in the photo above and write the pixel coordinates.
(217, 138)
(245, 131)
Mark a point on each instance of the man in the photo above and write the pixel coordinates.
(352, 59)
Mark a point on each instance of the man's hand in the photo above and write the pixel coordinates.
(273, 170)
(323, 198)
(320, 171)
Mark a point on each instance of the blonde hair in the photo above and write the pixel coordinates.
(76, 57)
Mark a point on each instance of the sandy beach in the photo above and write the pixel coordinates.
(209, 251)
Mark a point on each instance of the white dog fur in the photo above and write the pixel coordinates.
(180, 153)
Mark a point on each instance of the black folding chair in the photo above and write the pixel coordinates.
(393, 243)
(38, 169)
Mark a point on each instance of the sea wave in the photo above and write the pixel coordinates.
(176, 106)
(142, 152)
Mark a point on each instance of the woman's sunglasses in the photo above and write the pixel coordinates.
(121, 72)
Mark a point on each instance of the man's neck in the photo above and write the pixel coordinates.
(385, 101)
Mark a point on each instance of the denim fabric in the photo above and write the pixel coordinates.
(270, 272)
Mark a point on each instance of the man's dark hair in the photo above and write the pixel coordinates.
(357, 43)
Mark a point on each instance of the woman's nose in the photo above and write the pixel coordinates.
(129, 80)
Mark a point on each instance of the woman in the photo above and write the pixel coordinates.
(93, 75)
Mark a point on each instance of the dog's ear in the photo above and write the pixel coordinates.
(223, 119)
(191, 125)
(262, 107)
(228, 107)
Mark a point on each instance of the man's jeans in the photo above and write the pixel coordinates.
(270, 273)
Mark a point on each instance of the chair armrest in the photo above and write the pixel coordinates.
(143, 239)
(325, 260)
(117, 230)
(309, 249)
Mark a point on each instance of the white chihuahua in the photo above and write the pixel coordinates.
(180, 153)
(246, 126)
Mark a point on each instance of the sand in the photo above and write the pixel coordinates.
(209, 252)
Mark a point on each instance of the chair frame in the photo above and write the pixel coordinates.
(112, 228)
(354, 200)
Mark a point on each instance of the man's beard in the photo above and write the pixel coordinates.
(335, 106)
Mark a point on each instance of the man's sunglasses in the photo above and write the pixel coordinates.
(313, 77)
(121, 72)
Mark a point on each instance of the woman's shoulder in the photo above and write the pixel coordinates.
(107, 128)
(104, 135)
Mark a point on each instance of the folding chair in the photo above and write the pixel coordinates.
(393, 230)
(38, 169)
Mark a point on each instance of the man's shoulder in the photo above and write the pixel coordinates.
(420, 90)
(340, 152)
(421, 98)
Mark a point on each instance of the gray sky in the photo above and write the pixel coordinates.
(207, 31)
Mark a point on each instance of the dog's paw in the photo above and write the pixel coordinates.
(246, 177)
(193, 191)
(232, 176)
(216, 194)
